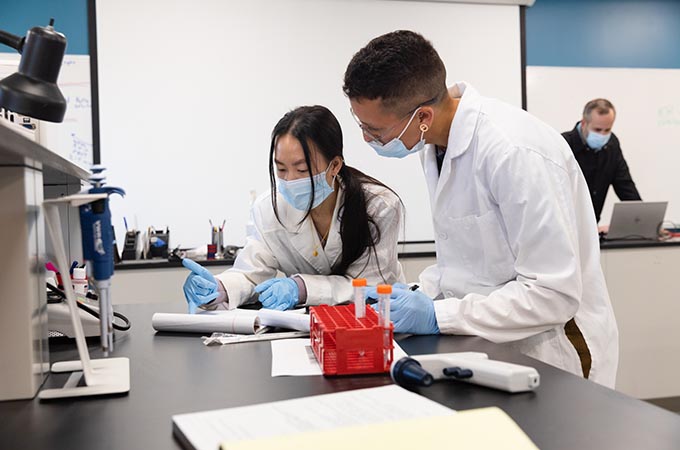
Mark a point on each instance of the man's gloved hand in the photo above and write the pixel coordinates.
(200, 287)
(278, 293)
(410, 311)
(372, 293)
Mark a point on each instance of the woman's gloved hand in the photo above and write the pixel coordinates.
(200, 287)
(278, 293)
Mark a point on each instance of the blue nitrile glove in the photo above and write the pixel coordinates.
(372, 293)
(200, 286)
(278, 293)
(412, 312)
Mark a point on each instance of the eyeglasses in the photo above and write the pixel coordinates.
(379, 137)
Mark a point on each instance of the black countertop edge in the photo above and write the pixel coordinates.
(610, 245)
(604, 245)
(406, 255)
(165, 264)
(162, 263)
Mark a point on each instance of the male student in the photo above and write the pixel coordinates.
(598, 152)
(517, 248)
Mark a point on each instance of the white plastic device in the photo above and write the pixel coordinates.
(485, 372)
(59, 321)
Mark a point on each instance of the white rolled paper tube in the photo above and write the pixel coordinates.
(227, 322)
(283, 319)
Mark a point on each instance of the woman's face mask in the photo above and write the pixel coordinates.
(299, 192)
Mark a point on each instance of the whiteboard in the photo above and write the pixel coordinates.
(647, 103)
(190, 92)
(72, 138)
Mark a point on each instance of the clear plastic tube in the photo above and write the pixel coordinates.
(384, 293)
(359, 285)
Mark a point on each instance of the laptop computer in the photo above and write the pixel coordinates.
(636, 220)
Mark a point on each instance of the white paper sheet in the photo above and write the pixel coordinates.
(206, 430)
(230, 338)
(398, 352)
(292, 320)
(234, 321)
(295, 357)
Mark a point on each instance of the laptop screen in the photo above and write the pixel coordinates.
(636, 220)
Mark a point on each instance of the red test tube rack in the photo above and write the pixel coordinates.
(345, 345)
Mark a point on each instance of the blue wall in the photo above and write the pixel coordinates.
(70, 18)
(585, 33)
(604, 33)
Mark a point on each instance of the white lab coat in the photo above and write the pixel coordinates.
(290, 248)
(517, 247)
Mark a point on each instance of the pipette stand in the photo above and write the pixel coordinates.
(102, 376)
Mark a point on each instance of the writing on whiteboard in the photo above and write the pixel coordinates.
(81, 150)
(79, 102)
(668, 116)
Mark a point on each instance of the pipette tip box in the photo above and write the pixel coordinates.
(345, 345)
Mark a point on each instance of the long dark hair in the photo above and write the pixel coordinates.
(316, 124)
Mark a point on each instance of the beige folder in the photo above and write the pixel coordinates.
(484, 428)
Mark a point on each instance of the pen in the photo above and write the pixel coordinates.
(223, 223)
(126, 225)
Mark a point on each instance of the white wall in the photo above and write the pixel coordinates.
(643, 288)
(190, 91)
(647, 102)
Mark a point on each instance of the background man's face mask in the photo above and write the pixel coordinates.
(596, 140)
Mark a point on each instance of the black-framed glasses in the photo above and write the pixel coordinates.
(379, 137)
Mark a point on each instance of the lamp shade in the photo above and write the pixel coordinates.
(34, 98)
(33, 90)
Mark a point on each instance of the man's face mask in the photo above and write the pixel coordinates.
(396, 147)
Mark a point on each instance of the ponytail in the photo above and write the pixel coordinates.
(358, 231)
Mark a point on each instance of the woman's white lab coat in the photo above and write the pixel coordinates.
(517, 246)
(290, 248)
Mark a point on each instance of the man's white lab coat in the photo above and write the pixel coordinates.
(517, 247)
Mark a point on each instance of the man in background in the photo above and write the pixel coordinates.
(598, 152)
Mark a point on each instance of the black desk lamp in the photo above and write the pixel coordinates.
(33, 90)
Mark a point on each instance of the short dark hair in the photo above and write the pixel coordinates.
(599, 105)
(401, 68)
